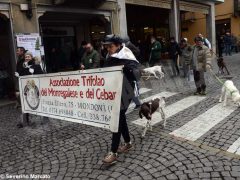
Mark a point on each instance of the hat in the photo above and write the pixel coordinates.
(29, 53)
(112, 39)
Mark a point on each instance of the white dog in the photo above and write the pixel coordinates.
(153, 70)
(229, 90)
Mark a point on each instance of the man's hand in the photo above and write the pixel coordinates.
(209, 66)
(16, 74)
(31, 70)
(82, 67)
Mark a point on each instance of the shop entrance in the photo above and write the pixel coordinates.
(144, 22)
(223, 26)
(153, 21)
(7, 62)
(63, 33)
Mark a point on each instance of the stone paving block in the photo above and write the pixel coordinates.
(235, 173)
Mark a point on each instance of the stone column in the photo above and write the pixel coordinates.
(174, 20)
(211, 30)
(122, 18)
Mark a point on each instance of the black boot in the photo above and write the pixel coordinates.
(203, 90)
(198, 92)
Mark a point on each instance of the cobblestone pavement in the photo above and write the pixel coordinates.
(65, 150)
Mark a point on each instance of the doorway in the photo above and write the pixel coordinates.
(7, 62)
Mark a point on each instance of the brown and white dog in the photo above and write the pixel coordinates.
(147, 109)
(222, 65)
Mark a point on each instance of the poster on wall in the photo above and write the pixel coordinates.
(91, 97)
(32, 43)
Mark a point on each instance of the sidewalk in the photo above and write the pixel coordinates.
(65, 150)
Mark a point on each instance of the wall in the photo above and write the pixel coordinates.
(194, 28)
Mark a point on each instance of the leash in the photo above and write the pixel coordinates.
(220, 81)
(215, 76)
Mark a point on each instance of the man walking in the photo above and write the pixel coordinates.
(155, 54)
(91, 58)
(205, 41)
(174, 51)
(201, 60)
(186, 56)
(228, 43)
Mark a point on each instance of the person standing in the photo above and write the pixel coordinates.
(186, 56)
(28, 67)
(91, 58)
(118, 54)
(205, 41)
(201, 60)
(173, 52)
(20, 56)
(81, 51)
(234, 44)
(220, 46)
(228, 43)
(136, 52)
(155, 54)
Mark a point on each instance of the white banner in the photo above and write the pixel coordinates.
(90, 97)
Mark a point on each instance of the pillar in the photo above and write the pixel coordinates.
(122, 18)
(174, 20)
(211, 30)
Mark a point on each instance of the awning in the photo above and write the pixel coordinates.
(166, 4)
(4, 9)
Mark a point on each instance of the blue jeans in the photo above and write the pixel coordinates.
(228, 49)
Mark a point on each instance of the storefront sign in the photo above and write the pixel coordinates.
(90, 97)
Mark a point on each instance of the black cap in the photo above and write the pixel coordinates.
(112, 39)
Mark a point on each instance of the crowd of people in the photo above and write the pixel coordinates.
(118, 51)
(227, 43)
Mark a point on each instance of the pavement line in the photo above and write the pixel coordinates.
(172, 109)
(144, 90)
(235, 147)
(162, 94)
(197, 127)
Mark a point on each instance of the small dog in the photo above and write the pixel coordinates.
(229, 90)
(153, 70)
(222, 65)
(147, 109)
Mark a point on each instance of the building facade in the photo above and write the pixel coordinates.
(227, 15)
(66, 23)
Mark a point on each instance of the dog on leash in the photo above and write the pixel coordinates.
(229, 90)
(153, 71)
(147, 109)
(222, 65)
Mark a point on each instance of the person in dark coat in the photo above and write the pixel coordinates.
(118, 54)
(174, 51)
(28, 67)
(81, 52)
(20, 56)
(155, 54)
(220, 46)
(228, 43)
